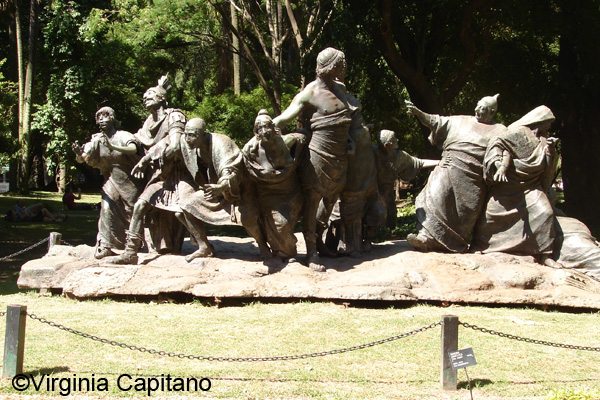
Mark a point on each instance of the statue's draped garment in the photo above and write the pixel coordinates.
(518, 216)
(120, 190)
(453, 198)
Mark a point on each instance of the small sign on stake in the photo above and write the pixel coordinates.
(462, 359)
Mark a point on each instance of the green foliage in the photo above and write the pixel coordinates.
(407, 220)
(8, 103)
(166, 36)
(370, 79)
(70, 78)
(234, 115)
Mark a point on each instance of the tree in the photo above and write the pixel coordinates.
(265, 36)
(8, 101)
(26, 77)
(308, 19)
(579, 102)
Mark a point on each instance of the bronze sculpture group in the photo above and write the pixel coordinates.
(487, 193)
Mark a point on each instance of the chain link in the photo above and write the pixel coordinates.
(231, 359)
(528, 340)
(24, 250)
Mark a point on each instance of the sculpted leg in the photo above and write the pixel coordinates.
(323, 214)
(249, 215)
(198, 231)
(134, 234)
(309, 227)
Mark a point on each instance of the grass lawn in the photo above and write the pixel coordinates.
(407, 368)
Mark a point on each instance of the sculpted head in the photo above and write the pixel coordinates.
(105, 118)
(331, 61)
(156, 96)
(540, 119)
(195, 132)
(486, 109)
(387, 139)
(264, 128)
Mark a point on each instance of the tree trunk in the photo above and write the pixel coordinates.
(235, 44)
(61, 182)
(20, 61)
(580, 132)
(224, 75)
(226, 15)
(27, 101)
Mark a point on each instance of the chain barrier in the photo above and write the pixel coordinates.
(25, 250)
(528, 340)
(231, 359)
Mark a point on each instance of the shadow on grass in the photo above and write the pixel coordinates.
(47, 371)
(475, 383)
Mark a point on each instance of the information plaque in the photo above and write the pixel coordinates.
(462, 358)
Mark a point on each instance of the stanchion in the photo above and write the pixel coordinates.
(449, 344)
(14, 340)
(55, 238)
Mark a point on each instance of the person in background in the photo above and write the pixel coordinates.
(69, 200)
(34, 213)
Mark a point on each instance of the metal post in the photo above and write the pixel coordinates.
(14, 340)
(55, 238)
(449, 344)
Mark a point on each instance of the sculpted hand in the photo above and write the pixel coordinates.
(77, 148)
(140, 167)
(410, 107)
(211, 192)
(550, 144)
(500, 175)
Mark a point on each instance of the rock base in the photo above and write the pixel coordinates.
(392, 271)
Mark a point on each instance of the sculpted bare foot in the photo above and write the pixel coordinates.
(200, 253)
(417, 241)
(551, 263)
(315, 264)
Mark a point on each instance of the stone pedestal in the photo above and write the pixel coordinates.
(393, 271)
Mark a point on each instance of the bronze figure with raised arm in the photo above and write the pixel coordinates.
(322, 109)
(454, 196)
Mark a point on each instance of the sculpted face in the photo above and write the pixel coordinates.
(152, 99)
(483, 112)
(104, 120)
(392, 143)
(264, 129)
(340, 70)
(194, 134)
(543, 127)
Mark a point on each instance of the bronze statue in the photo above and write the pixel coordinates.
(392, 164)
(224, 194)
(114, 152)
(163, 164)
(520, 165)
(272, 167)
(322, 109)
(359, 204)
(453, 198)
